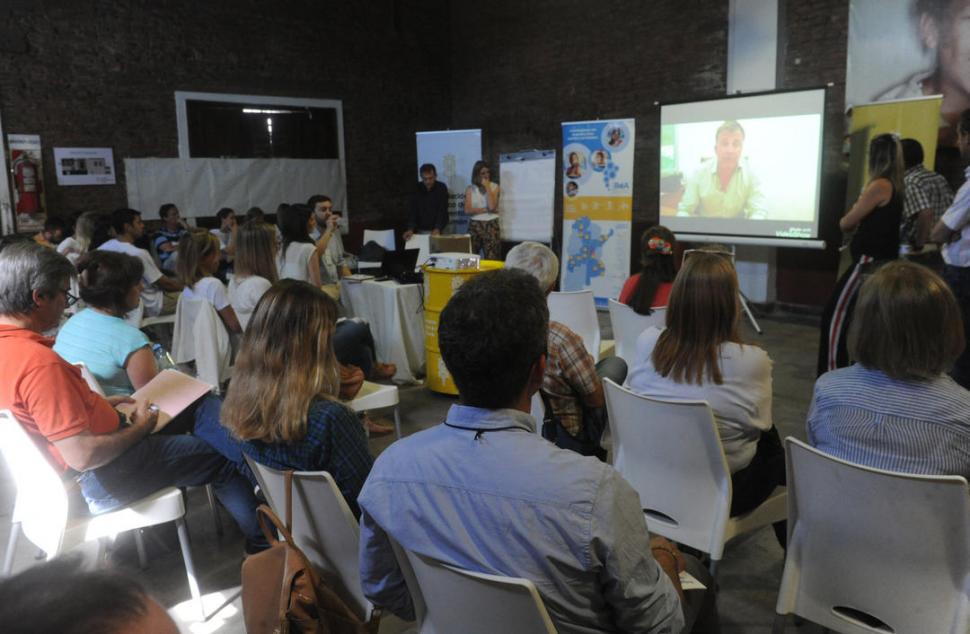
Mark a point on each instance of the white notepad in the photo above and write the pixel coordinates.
(172, 391)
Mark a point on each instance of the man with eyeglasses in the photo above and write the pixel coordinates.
(112, 457)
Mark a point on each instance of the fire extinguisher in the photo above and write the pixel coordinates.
(27, 184)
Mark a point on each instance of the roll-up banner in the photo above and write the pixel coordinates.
(597, 206)
(453, 153)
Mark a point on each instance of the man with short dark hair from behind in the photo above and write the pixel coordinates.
(926, 196)
(160, 294)
(60, 596)
(428, 211)
(484, 492)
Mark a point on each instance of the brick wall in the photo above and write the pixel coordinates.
(104, 73)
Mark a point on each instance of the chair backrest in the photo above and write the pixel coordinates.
(453, 243)
(200, 336)
(577, 311)
(42, 506)
(628, 324)
(671, 453)
(864, 541)
(383, 237)
(421, 242)
(323, 526)
(448, 599)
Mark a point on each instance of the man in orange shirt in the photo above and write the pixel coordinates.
(114, 460)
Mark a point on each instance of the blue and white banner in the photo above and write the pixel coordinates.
(453, 154)
(597, 206)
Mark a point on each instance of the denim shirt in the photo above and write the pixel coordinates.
(507, 502)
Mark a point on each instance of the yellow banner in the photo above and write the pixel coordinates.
(615, 208)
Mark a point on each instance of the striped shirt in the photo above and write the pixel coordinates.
(863, 416)
(923, 190)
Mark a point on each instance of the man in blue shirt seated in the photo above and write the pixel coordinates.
(484, 492)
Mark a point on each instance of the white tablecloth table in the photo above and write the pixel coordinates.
(396, 316)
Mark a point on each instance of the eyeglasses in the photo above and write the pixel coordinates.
(71, 299)
(726, 254)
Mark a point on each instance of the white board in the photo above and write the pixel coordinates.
(528, 181)
(201, 186)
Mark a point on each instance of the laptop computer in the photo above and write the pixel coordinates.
(400, 265)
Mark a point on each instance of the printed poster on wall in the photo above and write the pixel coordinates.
(597, 206)
(84, 165)
(900, 49)
(27, 172)
(453, 153)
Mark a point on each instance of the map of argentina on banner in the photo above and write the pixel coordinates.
(597, 206)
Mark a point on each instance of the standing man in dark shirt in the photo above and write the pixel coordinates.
(429, 205)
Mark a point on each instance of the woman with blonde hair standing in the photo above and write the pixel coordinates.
(700, 356)
(481, 203)
(282, 401)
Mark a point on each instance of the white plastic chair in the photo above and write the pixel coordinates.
(377, 396)
(628, 324)
(421, 242)
(201, 336)
(577, 311)
(672, 455)
(863, 542)
(323, 527)
(383, 237)
(41, 510)
(448, 599)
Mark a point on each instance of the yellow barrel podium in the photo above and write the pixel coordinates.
(439, 286)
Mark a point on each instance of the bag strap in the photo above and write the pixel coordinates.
(288, 483)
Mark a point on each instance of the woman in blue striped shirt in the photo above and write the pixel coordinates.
(896, 408)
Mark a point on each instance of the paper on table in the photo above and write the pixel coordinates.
(172, 392)
(690, 582)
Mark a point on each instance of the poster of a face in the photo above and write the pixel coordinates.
(900, 49)
(27, 175)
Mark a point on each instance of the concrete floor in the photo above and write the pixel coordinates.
(749, 575)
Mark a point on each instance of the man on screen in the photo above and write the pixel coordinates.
(724, 186)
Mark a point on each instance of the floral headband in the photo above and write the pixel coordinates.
(659, 245)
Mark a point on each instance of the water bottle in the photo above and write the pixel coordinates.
(163, 359)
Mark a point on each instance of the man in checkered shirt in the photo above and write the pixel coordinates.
(927, 196)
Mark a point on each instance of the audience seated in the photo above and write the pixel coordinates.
(651, 286)
(198, 261)
(485, 493)
(573, 380)
(113, 458)
(116, 353)
(896, 408)
(161, 291)
(61, 596)
(226, 231)
(255, 268)
(166, 239)
(74, 246)
(299, 257)
(52, 234)
(333, 264)
(699, 356)
(282, 402)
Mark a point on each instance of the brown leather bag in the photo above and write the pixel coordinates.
(281, 592)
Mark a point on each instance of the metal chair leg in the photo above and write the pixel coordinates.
(11, 548)
(778, 627)
(189, 566)
(140, 547)
(713, 568)
(216, 519)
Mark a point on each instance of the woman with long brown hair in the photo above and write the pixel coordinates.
(199, 254)
(700, 356)
(282, 401)
(651, 286)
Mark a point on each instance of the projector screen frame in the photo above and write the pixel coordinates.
(747, 239)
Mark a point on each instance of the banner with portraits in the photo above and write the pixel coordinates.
(900, 49)
(597, 206)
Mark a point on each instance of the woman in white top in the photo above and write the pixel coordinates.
(299, 256)
(73, 247)
(198, 261)
(699, 356)
(255, 269)
(481, 203)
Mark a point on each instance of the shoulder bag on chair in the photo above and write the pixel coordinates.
(586, 442)
(281, 592)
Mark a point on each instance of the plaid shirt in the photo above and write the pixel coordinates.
(335, 442)
(570, 376)
(923, 189)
